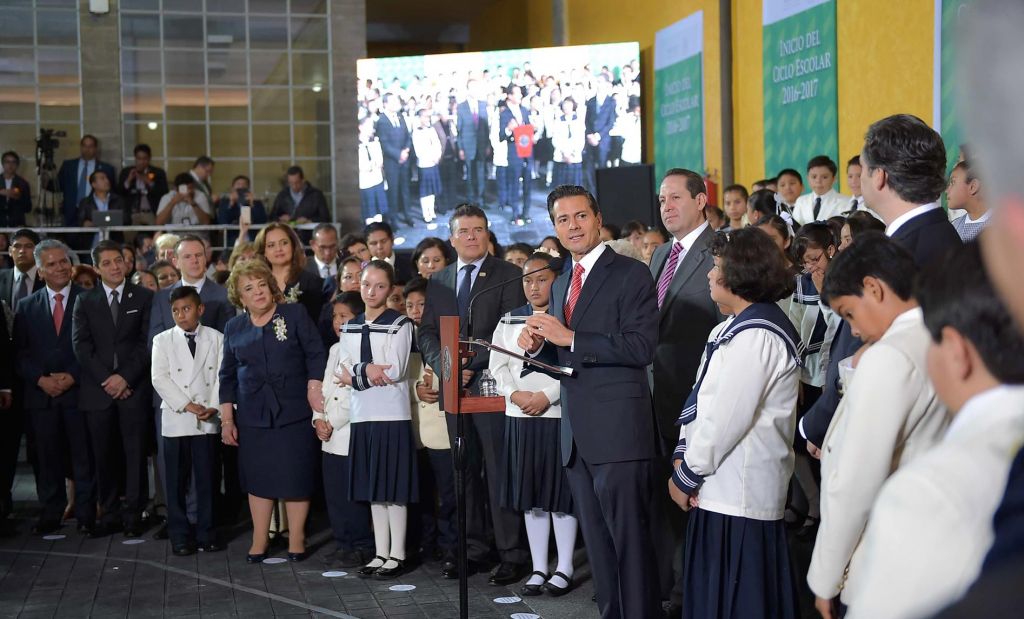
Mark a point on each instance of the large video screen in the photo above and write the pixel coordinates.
(495, 129)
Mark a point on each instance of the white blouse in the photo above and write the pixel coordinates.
(507, 371)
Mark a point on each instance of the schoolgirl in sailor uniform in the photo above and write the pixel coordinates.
(534, 481)
(375, 348)
(735, 454)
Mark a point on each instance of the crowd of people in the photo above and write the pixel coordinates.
(836, 368)
(517, 126)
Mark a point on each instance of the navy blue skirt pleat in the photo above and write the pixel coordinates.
(383, 462)
(534, 477)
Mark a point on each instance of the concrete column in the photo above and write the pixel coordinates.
(560, 22)
(100, 44)
(348, 43)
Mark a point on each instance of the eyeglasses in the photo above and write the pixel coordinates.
(813, 260)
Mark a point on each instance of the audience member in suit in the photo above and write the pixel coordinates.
(142, 185)
(300, 201)
(520, 169)
(186, 360)
(73, 177)
(396, 142)
(229, 208)
(279, 247)
(50, 375)
(473, 130)
(15, 284)
(604, 325)
(110, 338)
(996, 130)
(15, 195)
(91, 208)
(600, 119)
(932, 523)
(687, 315)
(380, 238)
(448, 294)
(889, 414)
(326, 258)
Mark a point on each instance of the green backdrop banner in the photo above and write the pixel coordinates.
(947, 120)
(800, 95)
(679, 96)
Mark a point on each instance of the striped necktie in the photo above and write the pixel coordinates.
(669, 272)
(574, 292)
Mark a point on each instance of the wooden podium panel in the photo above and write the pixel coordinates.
(456, 399)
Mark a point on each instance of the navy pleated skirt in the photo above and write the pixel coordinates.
(737, 568)
(278, 463)
(534, 477)
(382, 457)
(430, 181)
(568, 174)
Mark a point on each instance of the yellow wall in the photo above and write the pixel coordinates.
(884, 51)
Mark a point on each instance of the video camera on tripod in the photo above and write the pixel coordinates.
(46, 170)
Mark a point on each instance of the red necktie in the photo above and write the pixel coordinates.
(58, 311)
(574, 292)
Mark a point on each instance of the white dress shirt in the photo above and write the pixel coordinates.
(507, 372)
(19, 275)
(832, 203)
(459, 273)
(197, 285)
(905, 217)
(120, 292)
(332, 268)
(63, 300)
(932, 524)
(687, 242)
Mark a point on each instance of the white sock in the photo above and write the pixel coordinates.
(538, 530)
(398, 516)
(805, 477)
(381, 532)
(427, 204)
(565, 541)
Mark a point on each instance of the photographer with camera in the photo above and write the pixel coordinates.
(142, 186)
(16, 195)
(230, 209)
(181, 206)
(73, 178)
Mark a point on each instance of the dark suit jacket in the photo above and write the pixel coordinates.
(311, 295)
(157, 189)
(96, 340)
(266, 377)
(506, 135)
(13, 210)
(474, 137)
(87, 208)
(686, 319)
(393, 140)
(67, 178)
(329, 284)
(607, 413)
(404, 271)
(41, 351)
(599, 119)
(313, 205)
(7, 285)
(928, 236)
(487, 309)
(817, 418)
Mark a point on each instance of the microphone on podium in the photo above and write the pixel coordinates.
(555, 267)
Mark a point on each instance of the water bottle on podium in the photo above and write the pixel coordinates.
(488, 385)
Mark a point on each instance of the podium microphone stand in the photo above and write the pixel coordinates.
(458, 402)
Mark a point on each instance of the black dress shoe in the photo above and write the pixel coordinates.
(45, 527)
(507, 573)
(556, 591)
(450, 568)
(386, 573)
(102, 530)
(184, 550)
(86, 529)
(350, 558)
(297, 557)
(133, 530)
(255, 558)
(211, 547)
(161, 533)
(531, 590)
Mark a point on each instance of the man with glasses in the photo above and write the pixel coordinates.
(326, 259)
(15, 195)
(73, 177)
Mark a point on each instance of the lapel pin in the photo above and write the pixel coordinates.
(129, 295)
(482, 274)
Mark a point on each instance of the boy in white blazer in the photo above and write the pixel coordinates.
(889, 414)
(185, 365)
(932, 524)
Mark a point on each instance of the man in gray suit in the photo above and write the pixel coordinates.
(687, 316)
(474, 141)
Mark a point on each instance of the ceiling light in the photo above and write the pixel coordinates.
(318, 87)
(152, 125)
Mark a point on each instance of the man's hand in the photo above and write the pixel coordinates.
(826, 608)
(403, 156)
(467, 375)
(529, 342)
(115, 385)
(315, 395)
(65, 380)
(462, 154)
(679, 497)
(549, 328)
(195, 409)
(284, 218)
(229, 434)
(50, 386)
(426, 394)
(207, 414)
(323, 429)
(813, 450)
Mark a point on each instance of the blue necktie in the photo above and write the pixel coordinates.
(464, 290)
(365, 352)
(83, 181)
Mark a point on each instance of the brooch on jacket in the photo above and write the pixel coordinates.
(280, 328)
(293, 295)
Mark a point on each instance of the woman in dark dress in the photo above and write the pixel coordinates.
(281, 248)
(272, 372)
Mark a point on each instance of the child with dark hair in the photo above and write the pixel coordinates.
(857, 224)
(964, 192)
(889, 414)
(932, 523)
(823, 201)
(735, 453)
(790, 187)
(734, 198)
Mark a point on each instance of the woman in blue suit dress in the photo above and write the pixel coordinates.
(270, 379)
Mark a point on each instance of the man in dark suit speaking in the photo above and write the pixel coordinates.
(604, 324)
(448, 294)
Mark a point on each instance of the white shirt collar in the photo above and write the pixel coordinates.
(984, 217)
(477, 263)
(391, 259)
(30, 274)
(905, 217)
(183, 332)
(119, 289)
(981, 406)
(66, 291)
(590, 259)
(331, 267)
(691, 237)
(197, 285)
